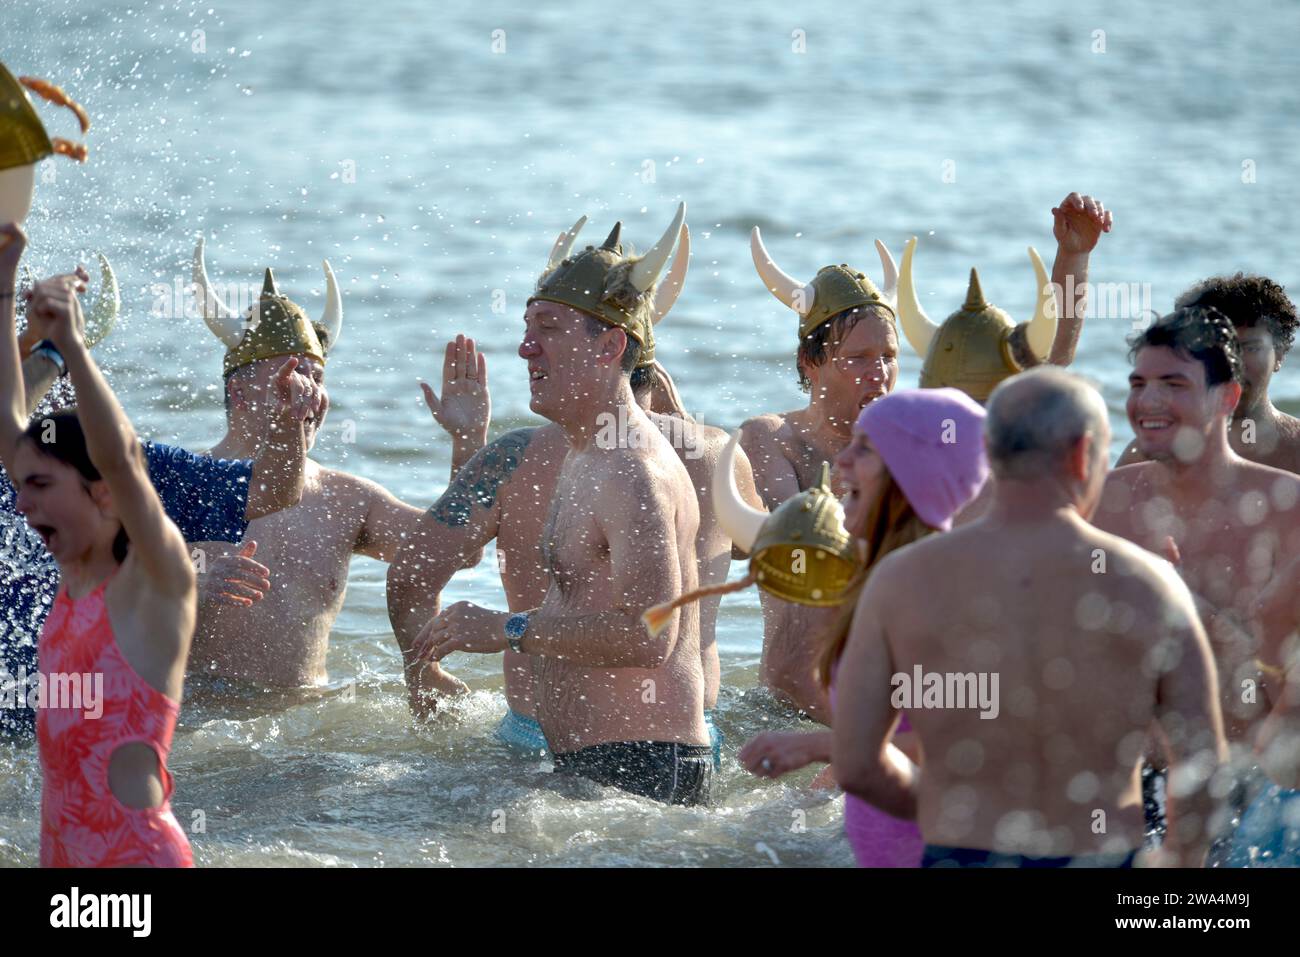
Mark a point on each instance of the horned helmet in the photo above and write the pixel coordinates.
(800, 552)
(977, 346)
(24, 142)
(835, 289)
(274, 326)
(581, 281)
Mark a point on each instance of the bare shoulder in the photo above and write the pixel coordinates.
(348, 488)
(767, 429)
(1119, 493)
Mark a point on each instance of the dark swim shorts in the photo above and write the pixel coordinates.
(939, 856)
(660, 770)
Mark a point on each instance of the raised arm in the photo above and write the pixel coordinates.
(1077, 224)
(465, 408)
(111, 442)
(866, 763)
(39, 374)
(13, 405)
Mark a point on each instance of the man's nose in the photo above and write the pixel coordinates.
(528, 347)
(23, 504)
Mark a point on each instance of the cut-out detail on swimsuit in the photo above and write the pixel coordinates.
(83, 823)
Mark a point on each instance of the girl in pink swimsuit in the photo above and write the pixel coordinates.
(113, 649)
(915, 460)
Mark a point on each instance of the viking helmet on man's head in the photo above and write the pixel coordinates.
(605, 283)
(276, 326)
(978, 345)
(835, 289)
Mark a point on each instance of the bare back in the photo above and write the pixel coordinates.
(1072, 648)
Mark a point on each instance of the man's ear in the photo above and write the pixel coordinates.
(235, 389)
(1080, 458)
(615, 345)
(1229, 396)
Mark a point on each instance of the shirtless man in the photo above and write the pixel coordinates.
(845, 363)
(848, 357)
(1229, 523)
(1265, 322)
(512, 482)
(281, 641)
(505, 494)
(615, 705)
(1045, 772)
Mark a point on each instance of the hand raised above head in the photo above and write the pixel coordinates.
(1079, 222)
(54, 311)
(465, 407)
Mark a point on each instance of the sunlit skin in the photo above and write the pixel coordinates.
(282, 639)
(1017, 594)
(1228, 523)
(74, 517)
(1173, 413)
(619, 538)
(515, 515)
(1257, 429)
(786, 451)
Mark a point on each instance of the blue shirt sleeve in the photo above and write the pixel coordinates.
(205, 497)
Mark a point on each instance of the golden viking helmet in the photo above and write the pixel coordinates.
(276, 326)
(800, 552)
(24, 141)
(835, 289)
(978, 345)
(580, 281)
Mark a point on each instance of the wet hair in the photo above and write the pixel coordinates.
(1033, 420)
(1248, 301)
(1202, 333)
(814, 348)
(890, 524)
(60, 436)
(641, 379)
(631, 354)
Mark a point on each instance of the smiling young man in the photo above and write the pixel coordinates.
(1265, 322)
(1229, 524)
(847, 357)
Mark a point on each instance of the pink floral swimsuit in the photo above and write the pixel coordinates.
(83, 824)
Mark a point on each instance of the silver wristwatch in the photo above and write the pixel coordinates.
(515, 627)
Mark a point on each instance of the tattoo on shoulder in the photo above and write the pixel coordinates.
(479, 480)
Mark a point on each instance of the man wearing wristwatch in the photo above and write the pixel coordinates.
(616, 705)
(210, 500)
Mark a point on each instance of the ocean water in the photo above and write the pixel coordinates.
(433, 151)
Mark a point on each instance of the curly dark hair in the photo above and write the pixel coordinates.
(1202, 333)
(814, 347)
(1248, 301)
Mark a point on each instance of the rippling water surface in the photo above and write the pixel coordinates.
(434, 173)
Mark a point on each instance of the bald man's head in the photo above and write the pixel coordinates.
(1036, 420)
